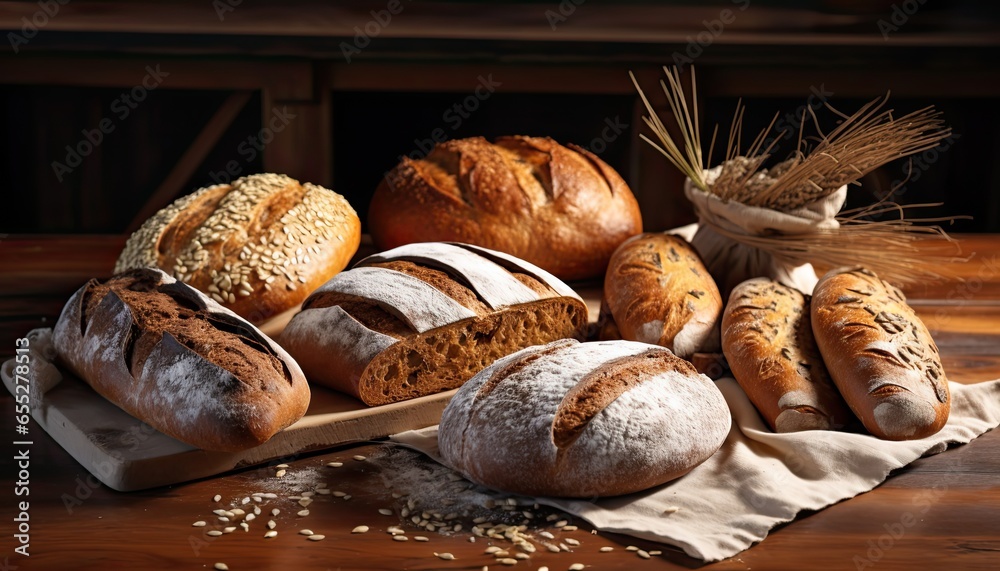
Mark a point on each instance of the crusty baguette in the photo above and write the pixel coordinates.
(880, 355)
(560, 208)
(768, 342)
(657, 291)
(583, 420)
(257, 246)
(173, 358)
(424, 318)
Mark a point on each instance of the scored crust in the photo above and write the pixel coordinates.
(560, 208)
(768, 342)
(424, 318)
(178, 361)
(590, 419)
(880, 355)
(257, 246)
(658, 291)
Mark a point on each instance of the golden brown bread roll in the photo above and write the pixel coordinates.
(880, 355)
(560, 208)
(657, 291)
(768, 341)
(257, 246)
(176, 360)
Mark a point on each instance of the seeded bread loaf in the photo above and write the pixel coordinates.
(173, 358)
(424, 318)
(880, 355)
(767, 339)
(257, 246)
(560, 208)
(657, 291)
(583, 420)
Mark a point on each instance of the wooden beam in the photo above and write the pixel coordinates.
(192, 157)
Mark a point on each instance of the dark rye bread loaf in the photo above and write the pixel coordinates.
(880, 355)
(559, 207)
(424, 318)
(658, 291)
(583, 420)
(257, 246)
(178, 361)
(768, 342)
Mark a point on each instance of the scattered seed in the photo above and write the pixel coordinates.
(306, 532)
(671, 510)
(304, 502)
(656, 553)
(521, 556)
(561, 523)
(245, 526)
(507, 561)
(643, 554)
(198, 524)
(237, 512)
(256, 510)
(250, 517)
(445, 556)
(607, 549)
(420, 538)
(552, 548)
(303, 513)
(217, 498)
(359, 458)
(347, 497)
(245, 501)
(631, 548)
(229, 529)
(270, 534)
(271, 524)
(501, 553)
(569, 528)
(279, 466)
(491, 550)
(222, 567)
(385, 511)
(335, 464)
(214, 533)
(279, 474)
(360, 529)
(576, 567)
(394, 530)
(317, 537)
(571, 541)
(399, 538)
(547, 535)
(223, 519)
(275, 512)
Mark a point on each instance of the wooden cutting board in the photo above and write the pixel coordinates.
(127, 454)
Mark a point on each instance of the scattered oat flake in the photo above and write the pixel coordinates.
(643, 554)
(270, 534)
(521, 556)
(445, 556)
(360, 529)
(217, 498)
(399, 538)
(385, 511)
(214, 533)
(229, 529)
(271, 524)
(198, 524)
(306, 532)
(316, 537)
(561, 523)
(360, 458)
(279, 474)
(303, 513)
(607, 549)
(420, 538)
(571, 541)
(631, 548)
(275, 512)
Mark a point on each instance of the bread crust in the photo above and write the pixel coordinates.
(768, 342)
(658, 291)
(880, 355)
(423, 318)
(257, 246)
(173, 358)
(559, 207)
(583, 420)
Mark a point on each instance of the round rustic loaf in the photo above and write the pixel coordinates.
(583, 420)
(768, 342)
(257, 246)
(657, 291)
(880, 355)
(560, 208)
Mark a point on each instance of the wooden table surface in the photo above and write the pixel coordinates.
(76, 523)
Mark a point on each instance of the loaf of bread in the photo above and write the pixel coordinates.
(173, 358)
(880, 355)
(257, 246)
(657, 291)
(583, 420)
(768, 342)
(424, 318)
(560, 208)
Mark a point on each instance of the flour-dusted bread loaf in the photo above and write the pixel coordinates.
(583, 420)
(257, 246)
(173, 358)
(560, 208)
(768, 341)
(880, 355)
(424, 318)
(657, 291)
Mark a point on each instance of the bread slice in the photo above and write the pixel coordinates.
(424, 318)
